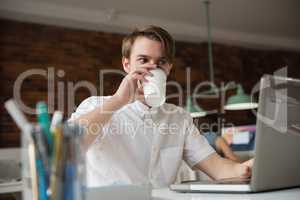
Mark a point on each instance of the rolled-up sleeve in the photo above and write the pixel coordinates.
(196, 147)
(86, 106)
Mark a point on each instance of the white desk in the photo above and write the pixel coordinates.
(166, 194)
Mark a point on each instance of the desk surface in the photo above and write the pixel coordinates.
(166, 194)
(136, 193)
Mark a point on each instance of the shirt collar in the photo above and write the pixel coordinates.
(143, 109)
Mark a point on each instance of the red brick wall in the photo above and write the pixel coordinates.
(81, 54)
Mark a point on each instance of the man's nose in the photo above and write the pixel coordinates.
(153, 62)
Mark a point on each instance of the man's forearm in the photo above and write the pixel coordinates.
(219, 168)
(94, 120)
(227, 168)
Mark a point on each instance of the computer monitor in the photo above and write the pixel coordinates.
(240, 138)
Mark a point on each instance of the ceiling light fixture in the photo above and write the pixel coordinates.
(240, 101)
(195, 111)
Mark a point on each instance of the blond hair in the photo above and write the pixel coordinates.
(153, 33)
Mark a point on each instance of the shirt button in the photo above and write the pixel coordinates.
(154, 149)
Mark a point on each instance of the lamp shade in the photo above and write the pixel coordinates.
(240, 101)
(195, 111)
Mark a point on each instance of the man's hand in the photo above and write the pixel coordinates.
(223, 147)
(129, 90)
(244, 170)
(220, 168)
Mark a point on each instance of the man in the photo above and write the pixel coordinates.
(128, 142)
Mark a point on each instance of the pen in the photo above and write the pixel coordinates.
(41, 146)
(41, 167)
(42, 180)
(56, 120)
(69, 162)
(43, 119)
(16, 114)
(69, 181)
(33, 172)
(57, 164)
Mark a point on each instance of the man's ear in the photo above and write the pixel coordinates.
(125, 63)
(169, 69)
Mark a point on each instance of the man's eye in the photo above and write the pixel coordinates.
(162, 62)
(143, 60)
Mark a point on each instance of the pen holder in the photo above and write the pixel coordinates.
(53, 172)
(26, 154)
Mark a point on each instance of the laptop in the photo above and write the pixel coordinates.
(277, 143)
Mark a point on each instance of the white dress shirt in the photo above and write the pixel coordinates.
(142, 145)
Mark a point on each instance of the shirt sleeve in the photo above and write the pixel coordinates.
(196, 147)
(86, 106)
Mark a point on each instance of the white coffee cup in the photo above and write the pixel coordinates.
(155, 88)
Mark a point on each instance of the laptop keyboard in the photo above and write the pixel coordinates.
(231, 181)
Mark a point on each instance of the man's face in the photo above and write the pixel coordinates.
(146, 52)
